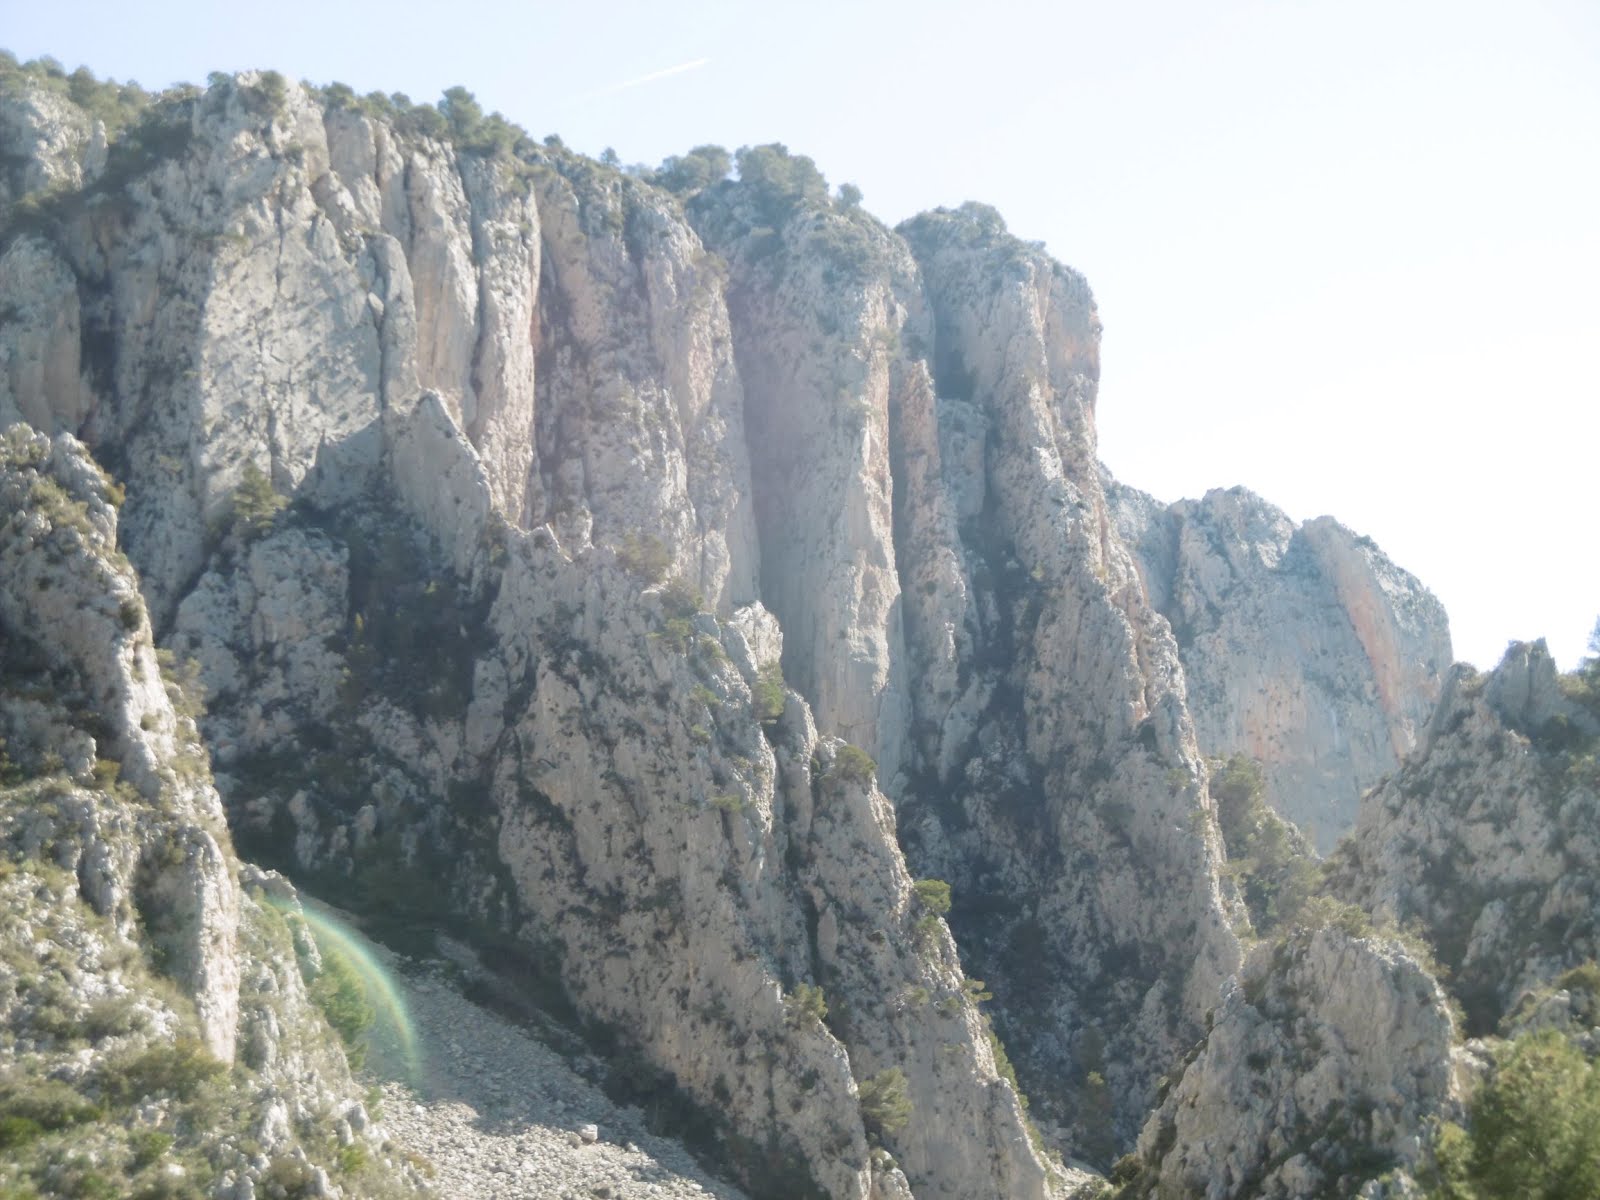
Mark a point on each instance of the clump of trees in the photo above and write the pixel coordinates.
(700, 168)
(1534, 1128)
(1267, 857)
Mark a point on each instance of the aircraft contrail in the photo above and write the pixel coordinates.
(681, 68)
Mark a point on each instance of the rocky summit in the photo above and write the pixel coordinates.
(753, 745)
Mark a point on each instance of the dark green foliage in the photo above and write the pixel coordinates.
(1267, 856)
(647, 557)
(853, 764)
(849, 197)
(770, 699)
(466, 126)
(846, 245)
(933, 895)
(255, 505)
(117, 105)
(680, 598)
(1534, 1130)
(179, 1068)
(419, 120)
(32, 1107)
(342, 996)
(695, 171)
(806, 1006)
(885, 1102)
(781, 182)
(148, 1146)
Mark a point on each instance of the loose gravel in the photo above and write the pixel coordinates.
(498, 1114)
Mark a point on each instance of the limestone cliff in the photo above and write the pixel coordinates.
(1303, 646)
(160, 1038)
(1323, 1062)
(508, 632)
(682, 575)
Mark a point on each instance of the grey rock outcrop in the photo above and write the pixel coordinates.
(509, 630)
(1486, 837)
(1062, 791)
(1324, 1061)
(66, 590)
(1304, 646)
(134, 965)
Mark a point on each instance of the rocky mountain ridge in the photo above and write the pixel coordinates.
(716, 596)
(1303, 647)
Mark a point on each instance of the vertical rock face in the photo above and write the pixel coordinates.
(1063, 794)
(819, 307)
(1486, 837)
(641, 423)
(1303, 647)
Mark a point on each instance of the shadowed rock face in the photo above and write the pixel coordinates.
(1302, 646)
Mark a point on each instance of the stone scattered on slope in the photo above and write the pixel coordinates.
(500, 1115)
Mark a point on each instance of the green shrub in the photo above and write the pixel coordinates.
(780, 183)
(853, 764)
(769, 693)
(342, 996)
(885, 1102)
(933, 895)
(255, 505)
(806, 1006)
(18, 1131)
(1534, 1128)
(147, 1146)
(681, 598)
(179, 1068)
(1267, 856)
(646, 557)
(699, 169)
(32, 1107)
(730, 802)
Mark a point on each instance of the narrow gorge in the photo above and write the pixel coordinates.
(707, 603)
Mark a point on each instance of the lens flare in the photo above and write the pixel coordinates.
(392, 1041)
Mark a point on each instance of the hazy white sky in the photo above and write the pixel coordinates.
(1346, 253)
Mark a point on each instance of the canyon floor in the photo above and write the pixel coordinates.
(499, 1113)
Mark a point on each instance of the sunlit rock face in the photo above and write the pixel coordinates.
(1486, 838)
(1303, 647)
(1326, 1057)
(670, 575)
